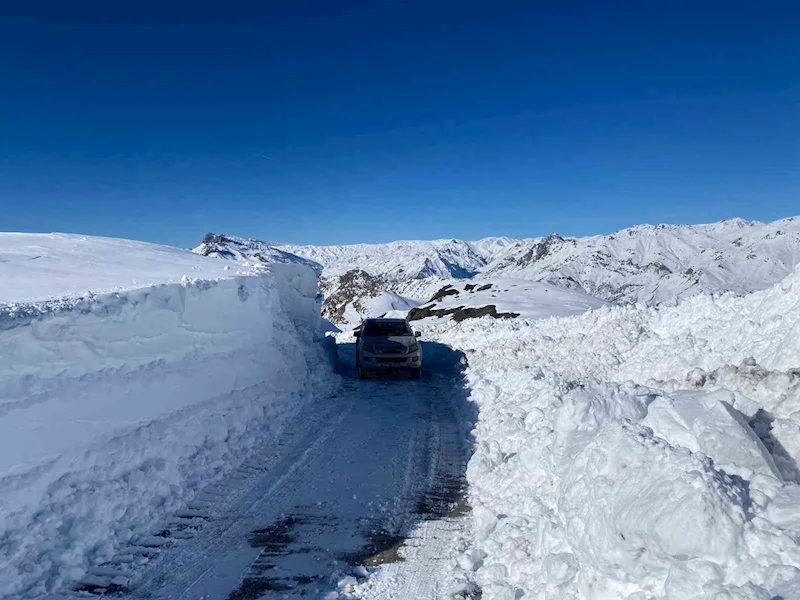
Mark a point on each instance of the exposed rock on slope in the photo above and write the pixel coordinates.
(647, 263)
(460, 313)
(652, 264)
(502, 299)
(350, 289)
(235, 248)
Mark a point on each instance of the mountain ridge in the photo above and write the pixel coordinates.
(649, 264)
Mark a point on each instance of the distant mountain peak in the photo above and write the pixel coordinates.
(651, 264)
(231, 247)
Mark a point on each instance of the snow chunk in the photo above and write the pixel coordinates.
(707, 422)
(633, 504)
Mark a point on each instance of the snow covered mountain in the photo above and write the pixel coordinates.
(406, 260)
(248, 250)
(656, 264)
(651, 264)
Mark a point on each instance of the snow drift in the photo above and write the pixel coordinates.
(117, 408)
(638, 453)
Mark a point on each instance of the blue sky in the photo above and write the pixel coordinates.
(321, 122)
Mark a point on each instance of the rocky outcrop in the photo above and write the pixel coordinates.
(459, 313)
(230, 247)
(540, 249)
(648, 264)
(447, 290)
(348, 289)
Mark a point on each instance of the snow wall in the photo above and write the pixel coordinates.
(116, 410)
(637, 453)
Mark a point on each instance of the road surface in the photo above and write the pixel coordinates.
(344, 487)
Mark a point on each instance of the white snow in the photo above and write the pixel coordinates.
(37, 266)
(652, 264)
(388, 304)
(708, 423)
(117, 408)
(528, 299)
(637, 453)
(621, 452)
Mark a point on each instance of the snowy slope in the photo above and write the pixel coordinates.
(655, 264)
(37, 267)
(649, 264)
(133, 375)
(384, 304)
(637, 453)
(525, 299)
(249, 251)
(404, 260)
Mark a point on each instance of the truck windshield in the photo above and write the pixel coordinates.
(384, 328)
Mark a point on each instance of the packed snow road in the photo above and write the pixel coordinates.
(342, 488)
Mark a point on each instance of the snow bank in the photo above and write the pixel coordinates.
(116, 409)
(708, 332)
(637, 453)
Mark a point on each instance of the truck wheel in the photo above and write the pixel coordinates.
(362, 374)
(415, 373)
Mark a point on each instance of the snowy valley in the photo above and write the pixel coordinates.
(602, 418)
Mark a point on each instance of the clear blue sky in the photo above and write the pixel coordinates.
(336, 122)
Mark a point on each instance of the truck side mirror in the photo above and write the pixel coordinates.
(417, 334)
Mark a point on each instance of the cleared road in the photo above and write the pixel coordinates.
(342, 488)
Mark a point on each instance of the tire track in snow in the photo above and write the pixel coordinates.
(425, 569)
(219, 508)
(346, 485)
